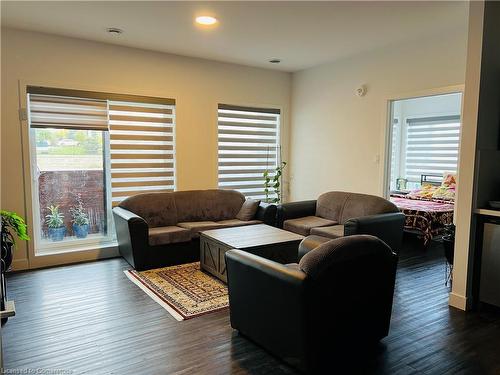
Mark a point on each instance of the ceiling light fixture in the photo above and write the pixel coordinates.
(275, 61)
(114, 30)
(206, 20)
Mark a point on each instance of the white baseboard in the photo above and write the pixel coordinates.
(458, 301)
(20, 264)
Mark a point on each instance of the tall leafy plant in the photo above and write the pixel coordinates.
(12, 224)
(272, 183)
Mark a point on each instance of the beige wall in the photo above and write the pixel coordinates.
(337, 138)
(197, 85)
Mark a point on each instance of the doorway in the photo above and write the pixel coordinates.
(422, 163)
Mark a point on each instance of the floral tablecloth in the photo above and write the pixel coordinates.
(426, 216)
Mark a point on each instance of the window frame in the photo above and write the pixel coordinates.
(29, 259)
(279, 134)
(404, 140)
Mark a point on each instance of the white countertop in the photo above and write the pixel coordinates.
(487, 212)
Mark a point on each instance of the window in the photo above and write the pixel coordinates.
(248, 145)
(432, 145)
(89, 151)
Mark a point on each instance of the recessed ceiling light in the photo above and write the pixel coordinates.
(206, 20)
(275, 61)
(114, 30)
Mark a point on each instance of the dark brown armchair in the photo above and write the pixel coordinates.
(339, 296)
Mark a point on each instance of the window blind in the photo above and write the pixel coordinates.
(432, 146)
(142, 148)
(395, 151)
(248, 145)
(49, 111)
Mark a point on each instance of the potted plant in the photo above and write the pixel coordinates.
(55, 222)
(12, 224)
(274, 183)
(80, 219)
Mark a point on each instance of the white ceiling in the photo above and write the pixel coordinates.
(301, 34)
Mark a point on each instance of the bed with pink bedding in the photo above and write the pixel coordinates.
(427, 217)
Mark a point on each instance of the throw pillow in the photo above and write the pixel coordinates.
(248, 210)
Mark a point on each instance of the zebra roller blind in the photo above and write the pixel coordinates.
(248, 144)
(432, 146)
(142, 148)
(56, 112)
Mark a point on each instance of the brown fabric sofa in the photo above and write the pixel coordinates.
(162, 229)
(336, 214)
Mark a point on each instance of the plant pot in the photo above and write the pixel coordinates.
(57, 234)
(81, 231)
(7, 248)
(449, 248)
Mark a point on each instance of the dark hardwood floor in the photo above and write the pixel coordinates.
(89, 318)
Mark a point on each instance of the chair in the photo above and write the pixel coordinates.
(339, 296)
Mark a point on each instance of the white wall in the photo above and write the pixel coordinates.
(197, 85)
(337, 138)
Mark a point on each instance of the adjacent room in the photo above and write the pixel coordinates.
(250, 187)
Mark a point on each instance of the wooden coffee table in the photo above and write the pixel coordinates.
(260, 239)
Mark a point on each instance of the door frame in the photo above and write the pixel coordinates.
(385, 166)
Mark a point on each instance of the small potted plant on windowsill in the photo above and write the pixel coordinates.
(80, 219)
(55, 222)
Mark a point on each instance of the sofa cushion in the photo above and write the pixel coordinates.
(341, 206)
(359, 205)
(334, 231)
(248, 210)
(169, 234)
(329, 205)
(158, 209)
(197, 226)
(310, 243)
(208, 205)
(238, 223)
(303, 225)
(341, 251)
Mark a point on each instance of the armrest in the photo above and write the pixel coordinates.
(132, 233)
(266, 301)
(388, 227)
(127, 215)
(266, 213)
(294, 210)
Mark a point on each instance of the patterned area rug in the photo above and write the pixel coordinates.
(184, 291)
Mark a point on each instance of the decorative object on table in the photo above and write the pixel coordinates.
(12, 225)
(494, 204)
(272, 184)
(401, 183)
(80, 219)
(184, 291)
(55, 222)
(449, 250)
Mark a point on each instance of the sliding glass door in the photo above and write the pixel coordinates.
(88, 152)
(71, 201)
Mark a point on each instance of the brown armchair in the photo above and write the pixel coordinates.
(339, 297)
